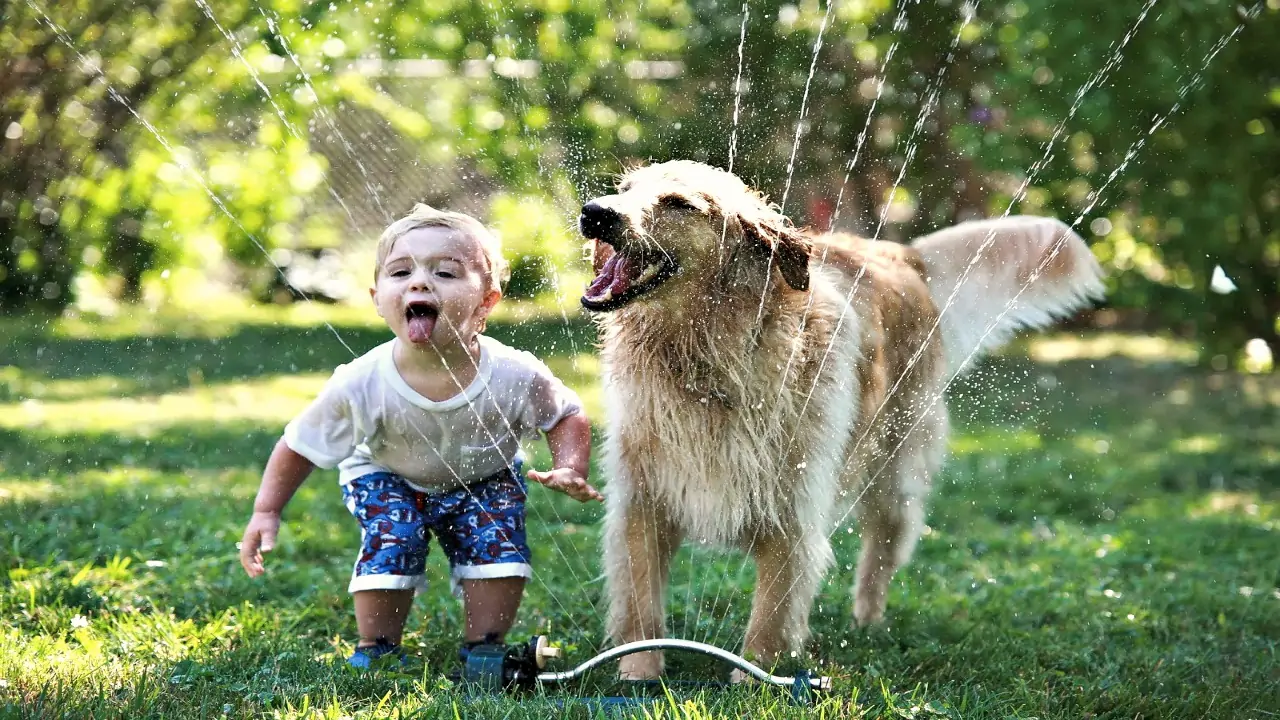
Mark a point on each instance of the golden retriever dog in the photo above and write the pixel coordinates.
(761, 382)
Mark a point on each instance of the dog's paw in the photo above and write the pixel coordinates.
(640, 666)
(867, 613)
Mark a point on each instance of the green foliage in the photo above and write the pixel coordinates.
(135, 140)
(1172, 157)
(538, 243)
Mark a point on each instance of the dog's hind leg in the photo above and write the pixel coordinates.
(891, 516)
(789, 570)
(639, 543)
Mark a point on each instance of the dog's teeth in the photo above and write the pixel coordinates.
(648, 273)
(607, 296)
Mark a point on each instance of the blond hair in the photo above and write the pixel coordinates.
(425, 216)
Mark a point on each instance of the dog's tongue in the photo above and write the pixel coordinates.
(420, 327)
(614, 278)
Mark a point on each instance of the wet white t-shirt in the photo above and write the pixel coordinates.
(367, 419)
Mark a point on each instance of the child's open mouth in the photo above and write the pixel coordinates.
(421, 320)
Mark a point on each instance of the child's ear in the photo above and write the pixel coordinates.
(373, 295)
(490, 302)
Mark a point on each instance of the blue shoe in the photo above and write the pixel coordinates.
(464, 652)
(365, 657)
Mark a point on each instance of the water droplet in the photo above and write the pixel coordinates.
(1220, 283)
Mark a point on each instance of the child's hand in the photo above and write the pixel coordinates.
(568, 481)
(259, 537)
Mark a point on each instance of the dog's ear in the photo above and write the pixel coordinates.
(792, 253)
(789, 248)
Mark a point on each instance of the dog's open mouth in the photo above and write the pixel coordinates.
(420, 318)
(625, 276)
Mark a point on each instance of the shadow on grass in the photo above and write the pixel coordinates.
(33, 454)
(152, 364)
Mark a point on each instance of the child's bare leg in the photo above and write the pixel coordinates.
(491, 606)
(381, 614)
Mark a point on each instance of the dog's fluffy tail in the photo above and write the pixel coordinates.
(1012, 273)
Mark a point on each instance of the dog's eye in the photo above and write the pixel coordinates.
(676, 201)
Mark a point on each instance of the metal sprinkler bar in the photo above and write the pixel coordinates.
(502, 667)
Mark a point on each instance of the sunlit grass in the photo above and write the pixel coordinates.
(994, 440)
(269, 400)
(200, 315)
(35, 386)
(1198, 444)
(211, 318)
(1098, 346)
(94, 407)
(1240, 505)
(1102, 543)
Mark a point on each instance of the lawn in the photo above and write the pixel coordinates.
(1105, 541)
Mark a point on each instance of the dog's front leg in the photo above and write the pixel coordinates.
(639, 542)
(789, 569)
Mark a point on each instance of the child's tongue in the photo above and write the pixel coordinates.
(420, 327)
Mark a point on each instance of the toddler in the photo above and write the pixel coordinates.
(425, 432)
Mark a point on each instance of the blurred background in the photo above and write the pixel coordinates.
(169, 153)
(189, 195)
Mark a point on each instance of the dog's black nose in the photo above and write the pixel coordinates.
(598, 222)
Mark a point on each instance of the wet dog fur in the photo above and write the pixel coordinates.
(760, 382)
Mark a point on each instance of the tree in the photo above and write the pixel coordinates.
(1171, 159)
(98, 102)
(885, 118)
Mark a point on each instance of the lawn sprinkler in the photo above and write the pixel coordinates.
(522, 666)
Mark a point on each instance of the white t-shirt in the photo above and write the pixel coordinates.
(367, 419)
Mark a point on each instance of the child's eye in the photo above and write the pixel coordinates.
(445, 274)
(399, 272)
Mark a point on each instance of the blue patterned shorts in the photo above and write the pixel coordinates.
(480, 528)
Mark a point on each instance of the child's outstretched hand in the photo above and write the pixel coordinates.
(259, 537)
(568, 481)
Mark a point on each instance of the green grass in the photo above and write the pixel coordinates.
(1104, 543)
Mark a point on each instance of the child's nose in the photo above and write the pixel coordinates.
(419, 279)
